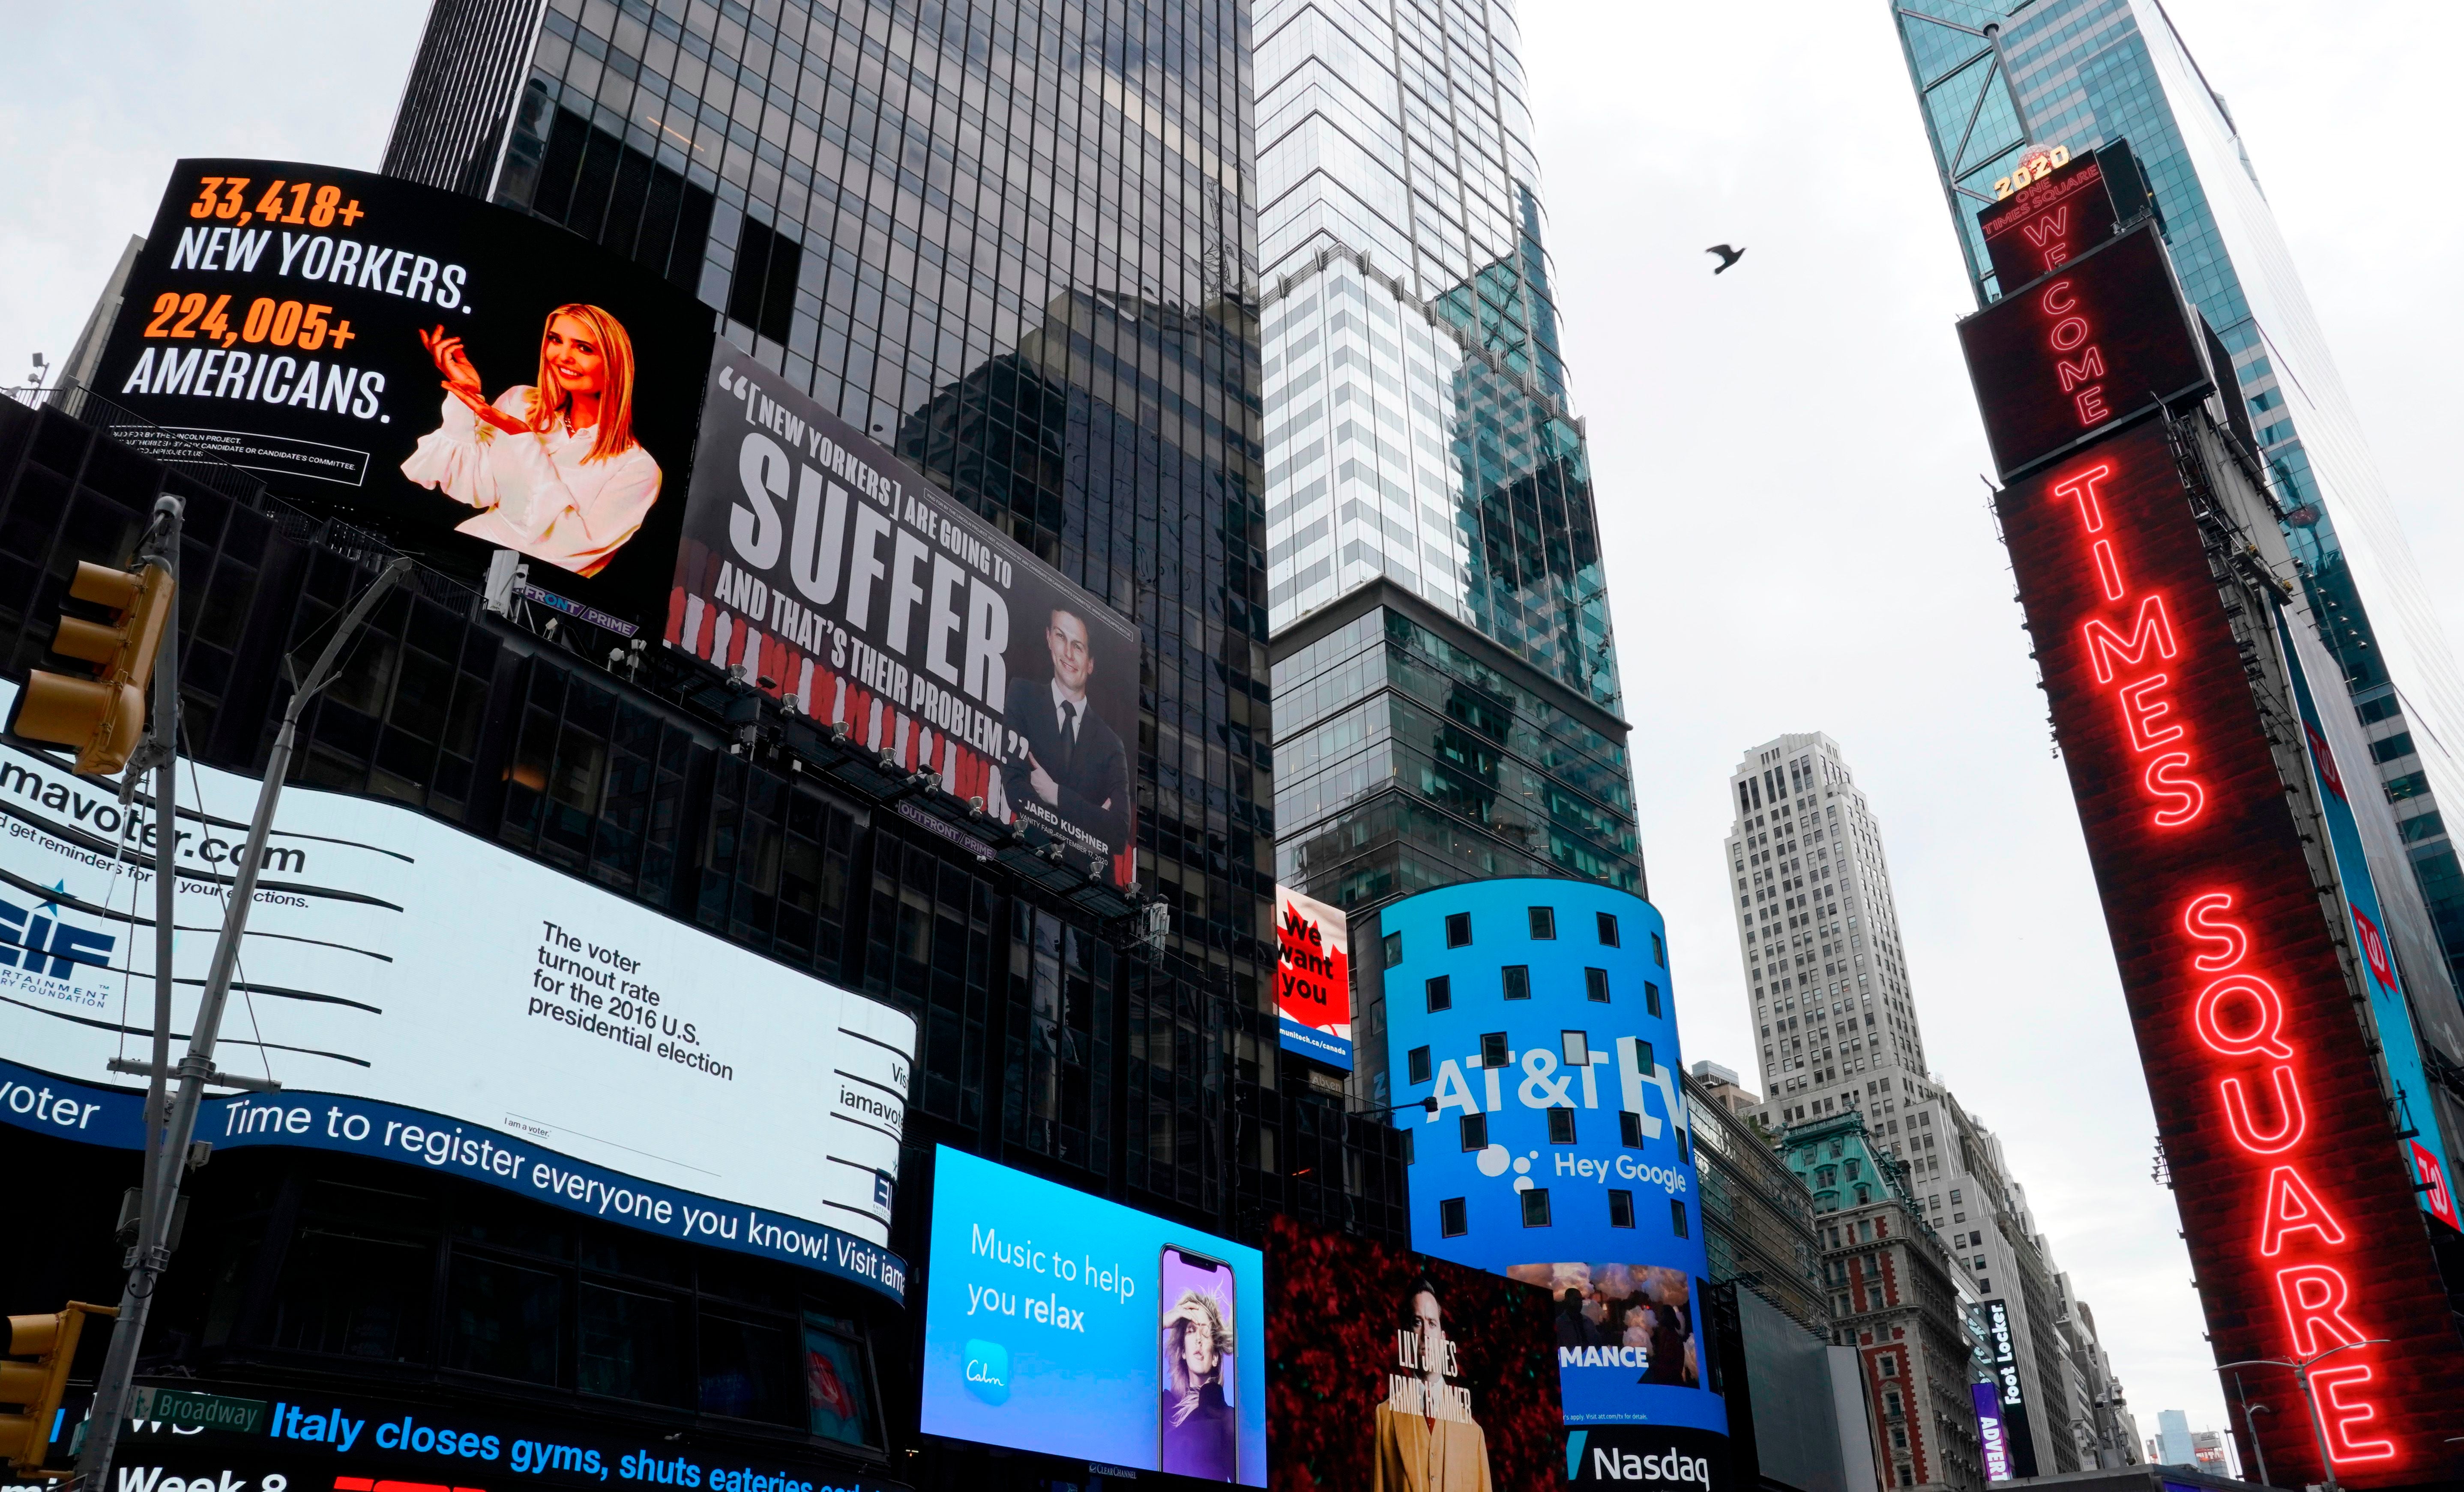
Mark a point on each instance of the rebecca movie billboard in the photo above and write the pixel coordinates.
(839, 577)
(1388, 1369)
(1062, 1323)
(457, 377)
(1313, 978)
(429, 1000)
(1392, 1370)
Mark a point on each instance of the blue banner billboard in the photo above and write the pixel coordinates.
(1061, 1323)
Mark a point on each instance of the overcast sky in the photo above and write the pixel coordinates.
(1787, 459)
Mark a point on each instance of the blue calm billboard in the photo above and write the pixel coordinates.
(1062, 1323)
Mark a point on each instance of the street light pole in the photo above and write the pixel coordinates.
(2301, 1366)
(152, 1253)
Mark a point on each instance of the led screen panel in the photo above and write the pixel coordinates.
(1535, 1022)
(837, 576)
(2300, 1220)
(1314, 977)
(1390, 1368)
(2044, 225)
(1062, 1323)
(426, 997)
(2078, 354)
(460, 378)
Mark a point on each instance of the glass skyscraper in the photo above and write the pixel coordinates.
(1993, 78)
(1446, 693)
(1017, 240)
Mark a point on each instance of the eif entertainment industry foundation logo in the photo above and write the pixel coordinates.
(42, 952)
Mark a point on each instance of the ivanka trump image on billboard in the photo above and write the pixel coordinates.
(1061, 1323)
(458, 377)
(839, 577)
(1314, 977)
(1387, 1369)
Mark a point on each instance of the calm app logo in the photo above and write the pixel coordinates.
(987, 1371)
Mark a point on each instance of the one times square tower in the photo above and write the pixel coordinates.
(1011, 239)
(1997, 79)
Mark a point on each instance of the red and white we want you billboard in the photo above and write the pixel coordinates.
(839, 577)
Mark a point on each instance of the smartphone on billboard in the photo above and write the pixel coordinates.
(1199, 1424)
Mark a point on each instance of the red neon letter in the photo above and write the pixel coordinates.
(2091, 365)
(2265, 1036)
(2329, 1383)
(2291, 1120)
(2064, 305)
(2199, 920)
(2315, 1296)
(2082, 487)
(2292, 1207)
(2091, 405)
(2053, 225)
(2188, 798)
(2108, 570)
(2140, 714)
(2106, 647)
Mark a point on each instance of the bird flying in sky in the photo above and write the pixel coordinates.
(1727, 256)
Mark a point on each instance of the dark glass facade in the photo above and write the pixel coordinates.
(1419, 754)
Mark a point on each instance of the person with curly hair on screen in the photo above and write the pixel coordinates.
(553, 466)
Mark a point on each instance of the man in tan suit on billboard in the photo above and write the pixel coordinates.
(1427, 1440)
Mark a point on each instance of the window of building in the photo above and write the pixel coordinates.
(1659, 951)
(1441, 994)
(1608, 930)
(1595, 986)
(1416, 1062)
(1642, 1058)
(1535, 1207)
(1890, 1367)
(1629, 1128)
(1475, 1132)
(1561, 1127)
(1576, 1046)
(1621, 1209)
(1677, 1222)
(1457, 929)
(1451, 1221)
(1544, 923)
(1393, 943)
(1518, 981)
(1650, 999)
(1493, 1050)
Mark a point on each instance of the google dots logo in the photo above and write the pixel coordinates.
(1497, 1160)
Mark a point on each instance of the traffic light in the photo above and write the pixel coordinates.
(103, 717)
(51, 1341)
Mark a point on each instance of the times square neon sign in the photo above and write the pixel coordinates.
(2257, 1076)
(2267, 1096)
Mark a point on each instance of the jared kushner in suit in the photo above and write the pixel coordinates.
(1074, 763)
